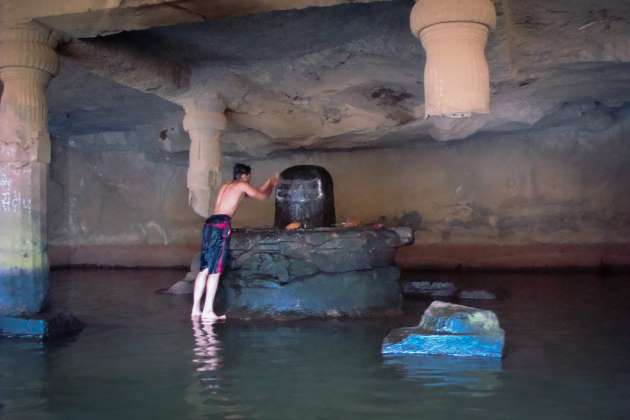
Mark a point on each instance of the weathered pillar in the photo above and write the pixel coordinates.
(454, 35)
(27, 63)
(204, 120)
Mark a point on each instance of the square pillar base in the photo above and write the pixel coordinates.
(47, 326)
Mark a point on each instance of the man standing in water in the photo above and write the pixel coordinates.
(216, 236)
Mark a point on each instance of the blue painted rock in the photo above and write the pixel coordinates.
(449, 329)
(45, 326)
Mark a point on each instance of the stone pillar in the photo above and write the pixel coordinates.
(204, 120)
(27, 63)
(454, 35)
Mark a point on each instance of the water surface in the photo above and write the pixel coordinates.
(140, 357)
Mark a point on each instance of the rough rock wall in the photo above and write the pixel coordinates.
(558, 185)
(117, 197)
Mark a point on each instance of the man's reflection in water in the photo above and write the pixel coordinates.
(204, 394)
(207, 348)
(210, 395)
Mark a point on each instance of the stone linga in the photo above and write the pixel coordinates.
(447, 329)
(305, 195)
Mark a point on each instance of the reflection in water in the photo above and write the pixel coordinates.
(204, 389)
(22, 365)
(477, 376)
(207, 348)
(210, 394)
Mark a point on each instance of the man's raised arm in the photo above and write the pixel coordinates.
(263, 192)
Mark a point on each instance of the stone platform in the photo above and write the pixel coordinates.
(322, 272)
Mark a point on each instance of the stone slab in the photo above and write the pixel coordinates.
(429, 289)
(463, 345)
(42, 327)
(448, 329)
(476, 295)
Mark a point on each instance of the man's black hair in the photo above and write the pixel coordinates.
(241, 169)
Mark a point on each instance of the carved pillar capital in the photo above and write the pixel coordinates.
(454, 34)
(204, 119)
(29, 45)
(204, 112)
(27, 63)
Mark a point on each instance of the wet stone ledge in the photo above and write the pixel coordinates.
(312, 273)
(45, 326)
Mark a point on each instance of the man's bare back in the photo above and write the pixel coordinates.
(231, 194)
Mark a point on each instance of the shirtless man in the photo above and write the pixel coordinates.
(217, 231)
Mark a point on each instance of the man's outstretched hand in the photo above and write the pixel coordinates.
(268, 186)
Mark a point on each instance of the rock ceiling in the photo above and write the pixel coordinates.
(341, 77)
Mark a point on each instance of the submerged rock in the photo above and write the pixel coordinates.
(182, 287)
(429, 289)
(449, 329)
(476, 295)
(44, 326)
(190, 276)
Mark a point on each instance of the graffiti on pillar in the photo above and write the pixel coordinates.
(5, 181)
(11, 200)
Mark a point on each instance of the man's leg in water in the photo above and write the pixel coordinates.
(200, 284)
(211, 291)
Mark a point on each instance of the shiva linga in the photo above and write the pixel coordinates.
(305, 198)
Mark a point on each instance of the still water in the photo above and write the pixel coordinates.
(140, 357)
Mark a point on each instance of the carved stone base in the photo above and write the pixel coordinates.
(309, 273)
